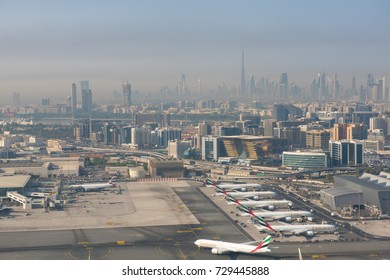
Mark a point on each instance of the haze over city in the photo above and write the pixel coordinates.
(47, 45)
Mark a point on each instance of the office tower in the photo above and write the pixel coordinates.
(74, 99)
(211, 146)
(199, 87)
(378, 123)
(370, 85)
(182, 86)
(16, 99)
(318, 139)
(84, 85)
(322, 88)
(86, 97)
(335, 87)
(354, 89)
(45, 101)
(283, 86)
(339, 131)
(243, 80)
(126, 95)
(346, 153)
(252, 87)
(165, 135)
(357, 131)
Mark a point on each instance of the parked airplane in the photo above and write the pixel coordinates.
(251, 195)
(269, 204)
(308, 230)
(288, 216)
(259, 219)
(90, 187)
(221, 247)
(227, 186)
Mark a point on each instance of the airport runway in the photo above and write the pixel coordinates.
(174, 242)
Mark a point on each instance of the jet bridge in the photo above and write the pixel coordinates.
(25, 201)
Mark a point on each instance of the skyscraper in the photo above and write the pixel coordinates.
(252, 87)
(283, 84)
(86, 97)
(74, 98)
(16, 99)
(126, 95)
(243, 80)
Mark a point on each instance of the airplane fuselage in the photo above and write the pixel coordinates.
(221, 247)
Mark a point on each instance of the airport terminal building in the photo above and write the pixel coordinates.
(368, 190)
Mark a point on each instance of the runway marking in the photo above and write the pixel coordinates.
(184, 231)
(121, 242)
(181, 252)
(110, 251)
(373, 255)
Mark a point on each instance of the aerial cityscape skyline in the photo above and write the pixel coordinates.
(49, 46)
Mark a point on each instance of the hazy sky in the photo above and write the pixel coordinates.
(47, 45)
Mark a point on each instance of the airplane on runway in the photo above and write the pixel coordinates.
(250, 195)
(288, 216)
(226, 186)
(90, 187)
(221, 247)
(269, 204)
(308, 229)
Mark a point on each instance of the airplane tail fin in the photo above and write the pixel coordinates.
(209, 182)
(263, 244)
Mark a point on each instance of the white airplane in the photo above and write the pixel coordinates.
(230, 187)
(308, 230)
(221, 247)
(251, 195)
(288, 216)
(95, 186)
(269, 204)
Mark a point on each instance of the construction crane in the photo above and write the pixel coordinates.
(67, 100)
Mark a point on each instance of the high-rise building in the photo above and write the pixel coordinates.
(346, 153)
(16, 99)
(283, 86)
(356, 131)
(86, 97)
(243, 80)
(168, 134)
(252, 87)
(74, 98)
(318, 139)
(211, 147)
(126, 95)
(339, 131)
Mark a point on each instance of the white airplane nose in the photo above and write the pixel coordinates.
(197, 242)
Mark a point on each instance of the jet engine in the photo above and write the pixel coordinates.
(309, 233)
(256, 197)
(244, 189)
(271, 207)
(217, 251)
(288, 219)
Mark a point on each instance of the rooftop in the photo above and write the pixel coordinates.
(15, 181)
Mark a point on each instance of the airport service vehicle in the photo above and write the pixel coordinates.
(89, 187)
(287, 216)
(308, 230)
(221, 247)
